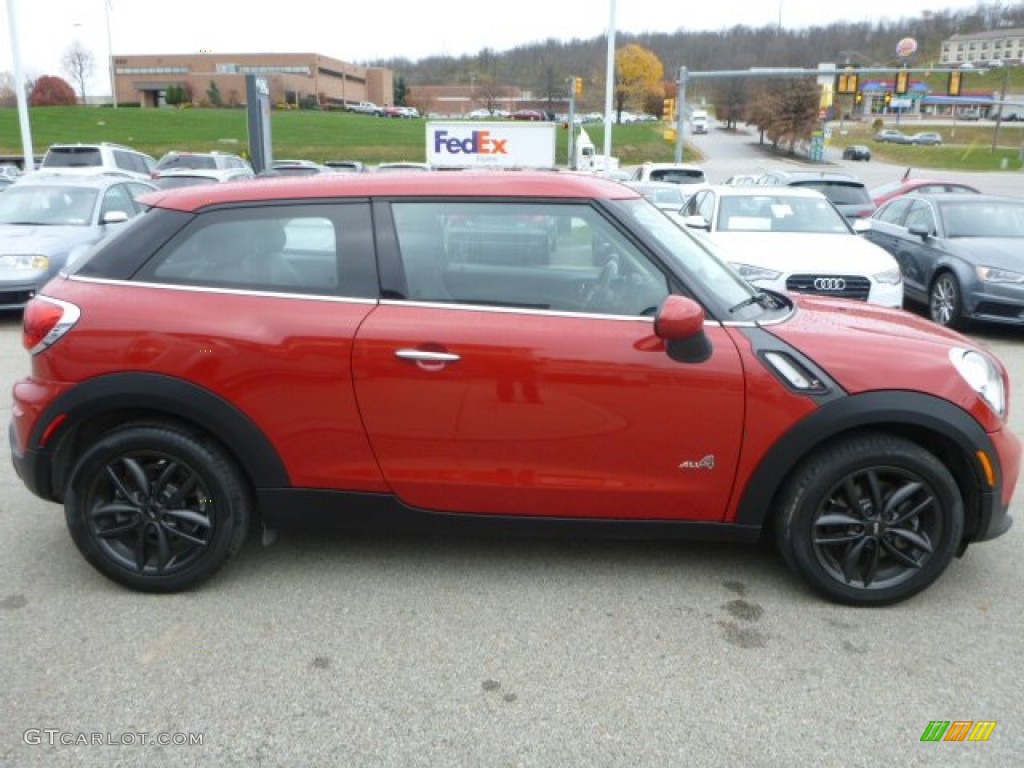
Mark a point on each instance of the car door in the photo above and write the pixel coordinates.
(887, 231)
(913, 251)
(493, 382)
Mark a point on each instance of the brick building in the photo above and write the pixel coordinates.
(291, 78)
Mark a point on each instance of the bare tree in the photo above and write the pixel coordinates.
(78, 63)
(8, 94)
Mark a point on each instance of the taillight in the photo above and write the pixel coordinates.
(45, 321)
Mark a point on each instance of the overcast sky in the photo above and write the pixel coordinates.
(370, 29)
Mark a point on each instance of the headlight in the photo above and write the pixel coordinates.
(33, 261)
(982, 375)
(889, 277)
(752, 273)
(995, 275)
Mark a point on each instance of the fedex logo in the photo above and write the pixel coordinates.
(478, 143)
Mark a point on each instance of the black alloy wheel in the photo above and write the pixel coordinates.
(871, 520)
(156, 509)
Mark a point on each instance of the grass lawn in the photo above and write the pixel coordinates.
(302, 134)
(966, 146)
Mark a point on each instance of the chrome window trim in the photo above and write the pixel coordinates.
(524, 311)
(229, 291)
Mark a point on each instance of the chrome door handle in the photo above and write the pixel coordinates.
(420, 355)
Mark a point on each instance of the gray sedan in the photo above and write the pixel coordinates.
(962, 255)
(46, 220)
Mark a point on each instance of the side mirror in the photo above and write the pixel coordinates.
(861, 226)
(680, 324)
(114, 217)
(696, 222)
(923, 232)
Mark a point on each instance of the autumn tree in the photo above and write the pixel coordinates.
(78, 63)
(731, 96)
(786, 111)
(52, 91)
(638, 75)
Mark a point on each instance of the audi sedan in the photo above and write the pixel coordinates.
(322, 351)
(960, 254)
(793, 239)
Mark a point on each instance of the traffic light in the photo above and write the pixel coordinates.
(888, 98)
(953, 86)
(668, 111)
(902, 82)
(577, 86)
(846, 82)
(859, 98)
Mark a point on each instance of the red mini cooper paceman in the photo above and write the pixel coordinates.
(508, 351)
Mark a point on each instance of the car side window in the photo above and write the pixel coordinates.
(310, 249)
(921, 217)
(893, 212)
(524, 255)
(117, 199)
(706, 206)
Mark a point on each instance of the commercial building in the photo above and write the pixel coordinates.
(293, 78)
(1002, 45)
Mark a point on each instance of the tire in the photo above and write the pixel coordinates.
(871, 520)
(118, 514)
(945, 301)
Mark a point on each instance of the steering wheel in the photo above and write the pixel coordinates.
(602, 286)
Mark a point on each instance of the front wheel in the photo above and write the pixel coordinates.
(871, 520)
(945, 302)
(156, 509)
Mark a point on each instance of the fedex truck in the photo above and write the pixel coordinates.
(490, 144)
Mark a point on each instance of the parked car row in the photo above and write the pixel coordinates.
(896, 136)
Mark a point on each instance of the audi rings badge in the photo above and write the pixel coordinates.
(830, 284)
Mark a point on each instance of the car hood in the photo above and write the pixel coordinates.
(31, 238)
(806, 253)
(906, 352)
(1002, 252)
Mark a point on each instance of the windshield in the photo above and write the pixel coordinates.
(986, 218)
(779, 213)
(839, 192)
(885, 189)
(678, 176)
(50, 206)
(173, 182)
(696, 259)
(72, 157)
(203, 162)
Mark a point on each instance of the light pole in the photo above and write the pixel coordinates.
(609, 87)
(110, 57)
(19, 88)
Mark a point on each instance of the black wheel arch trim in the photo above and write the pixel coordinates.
(166, 395)
(886, 411)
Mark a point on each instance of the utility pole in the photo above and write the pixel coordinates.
(999, 115)
(680, 121)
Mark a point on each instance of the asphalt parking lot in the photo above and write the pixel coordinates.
(364, 650)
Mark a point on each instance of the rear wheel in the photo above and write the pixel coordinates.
(156, 509)
(871, 520)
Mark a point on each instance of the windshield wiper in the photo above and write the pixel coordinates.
(761, 298)
(30, 223)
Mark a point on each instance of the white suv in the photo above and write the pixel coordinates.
(98, 158)
(204, 161)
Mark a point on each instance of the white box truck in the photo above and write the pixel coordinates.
(699, 120)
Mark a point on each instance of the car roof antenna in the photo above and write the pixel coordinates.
(906, 175)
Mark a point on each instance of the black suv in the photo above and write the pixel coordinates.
(847, 193)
